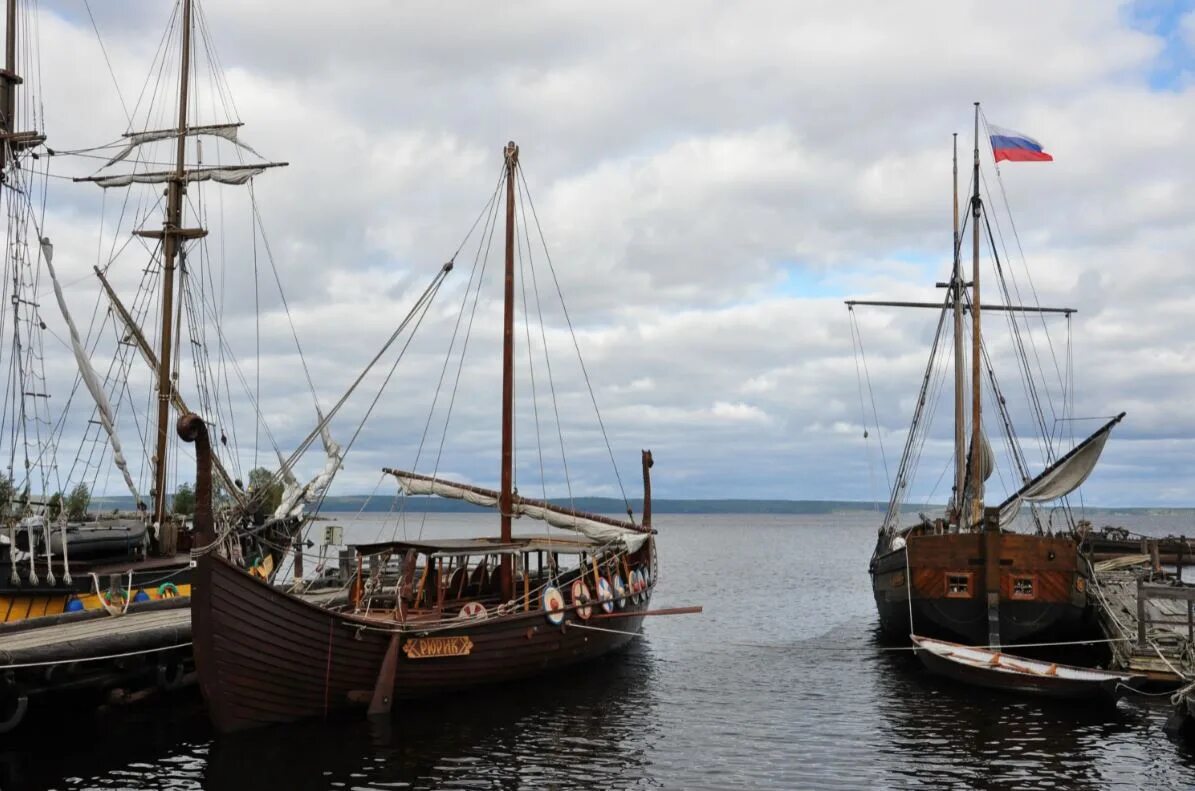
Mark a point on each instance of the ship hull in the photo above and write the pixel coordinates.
(946, 583)
(264, 657)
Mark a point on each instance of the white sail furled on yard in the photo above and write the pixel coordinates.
(295, 497)
(229, 175)
(1063, 476)
(603, 530)
(88, 373)
(133, 140)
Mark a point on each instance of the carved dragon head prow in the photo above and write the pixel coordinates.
(191, 428)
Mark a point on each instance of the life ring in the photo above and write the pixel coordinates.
(620, 591)
(582, 599)
(167, 590)
(605, 595)
(472, 610)
(552, 601)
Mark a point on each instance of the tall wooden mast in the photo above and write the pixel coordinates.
(10, 80)
(506, 494)
(960, 387)
(977, 450)
(172, 236)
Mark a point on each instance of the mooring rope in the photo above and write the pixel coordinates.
(95, 658)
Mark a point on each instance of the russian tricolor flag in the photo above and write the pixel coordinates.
(1015, 146)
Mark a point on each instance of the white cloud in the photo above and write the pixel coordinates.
(683, 168)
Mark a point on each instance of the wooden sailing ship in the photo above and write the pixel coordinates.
(969, 575)
(462, 612)
(70, 587)
(52, 565)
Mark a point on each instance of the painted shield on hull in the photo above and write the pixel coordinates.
(605, 595)
(472, 610)
(553, 604)
(582, 599)
(620, 591)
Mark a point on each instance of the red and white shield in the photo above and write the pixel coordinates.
(582, 599)
(472, 610)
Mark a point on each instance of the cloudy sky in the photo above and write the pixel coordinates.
(712, 181)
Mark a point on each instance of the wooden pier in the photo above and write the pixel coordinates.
(1149, 619)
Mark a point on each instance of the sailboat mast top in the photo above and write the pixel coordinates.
(172, 233)
(960, 415)
(976, 336)
(505, 503)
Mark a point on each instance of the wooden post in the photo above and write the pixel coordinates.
(1190, 622)
(1155, 557)
(1141, 643)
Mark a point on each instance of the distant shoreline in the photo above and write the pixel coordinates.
(610, 505)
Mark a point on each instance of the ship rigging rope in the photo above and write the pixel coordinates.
(861, 356)
(1024, 261)
(539, 446)
(489, 212)
(104, 658)
(874, 649)
(902, 471)
(1030, 385)
(573, 334)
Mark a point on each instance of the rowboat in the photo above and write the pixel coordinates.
(995, 669)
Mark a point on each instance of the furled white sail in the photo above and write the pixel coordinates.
(226, 131)
(88, 373)
(1063, 477)
(231, 175)
(604, 532)
(294, 497)
(599, 531)
(989, 456)
(469, 494)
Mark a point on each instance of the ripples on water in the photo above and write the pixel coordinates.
(781, 684)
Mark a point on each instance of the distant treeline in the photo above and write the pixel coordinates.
(610, 505)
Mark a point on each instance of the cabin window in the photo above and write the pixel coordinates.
(1024, 587)
(958, 586)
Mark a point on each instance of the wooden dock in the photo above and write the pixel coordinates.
(1148, 619)
(88, 639)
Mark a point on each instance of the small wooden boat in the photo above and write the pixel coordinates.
(997, 670)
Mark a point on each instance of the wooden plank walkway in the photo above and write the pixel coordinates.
(1167, 652)
(97, 637)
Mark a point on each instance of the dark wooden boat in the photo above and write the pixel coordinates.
(997, 670)
(462, 612)
(969, 574)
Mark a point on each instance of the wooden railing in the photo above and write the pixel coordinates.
(1145, 592)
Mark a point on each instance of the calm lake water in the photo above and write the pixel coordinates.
(780, 684)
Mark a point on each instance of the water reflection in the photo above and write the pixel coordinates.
(159, 745)
(590, 727)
